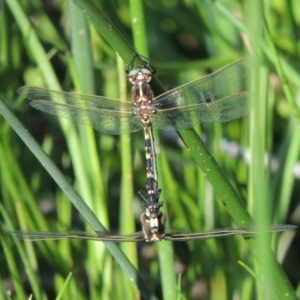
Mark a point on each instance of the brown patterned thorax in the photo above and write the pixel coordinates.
(153, 224)
(142, 94)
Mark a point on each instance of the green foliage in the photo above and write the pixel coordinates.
(51, 44)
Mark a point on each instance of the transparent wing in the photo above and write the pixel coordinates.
(174, 235)
(205, 99)
(219, 84)
(107, 115)
(104, 237)
(222, 110)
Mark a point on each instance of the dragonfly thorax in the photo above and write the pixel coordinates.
(153, 224)
(142, 94)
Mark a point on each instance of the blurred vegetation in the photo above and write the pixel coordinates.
(51, 44)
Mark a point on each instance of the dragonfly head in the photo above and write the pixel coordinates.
(139, 74)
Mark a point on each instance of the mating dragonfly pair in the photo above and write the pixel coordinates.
(217, 97)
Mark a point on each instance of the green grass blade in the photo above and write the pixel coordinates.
(95, 197)
(277, 282)
(60, 295)
(107, 29)
(126, 215)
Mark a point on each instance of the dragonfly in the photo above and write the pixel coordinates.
(215, 97)
(218, 97)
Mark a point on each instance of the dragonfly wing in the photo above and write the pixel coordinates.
(175, 235)
(104, 237)
(224, 82)
(223, 110)
(106, 121)
(107, 115)
(91, 101)
(133, 237)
